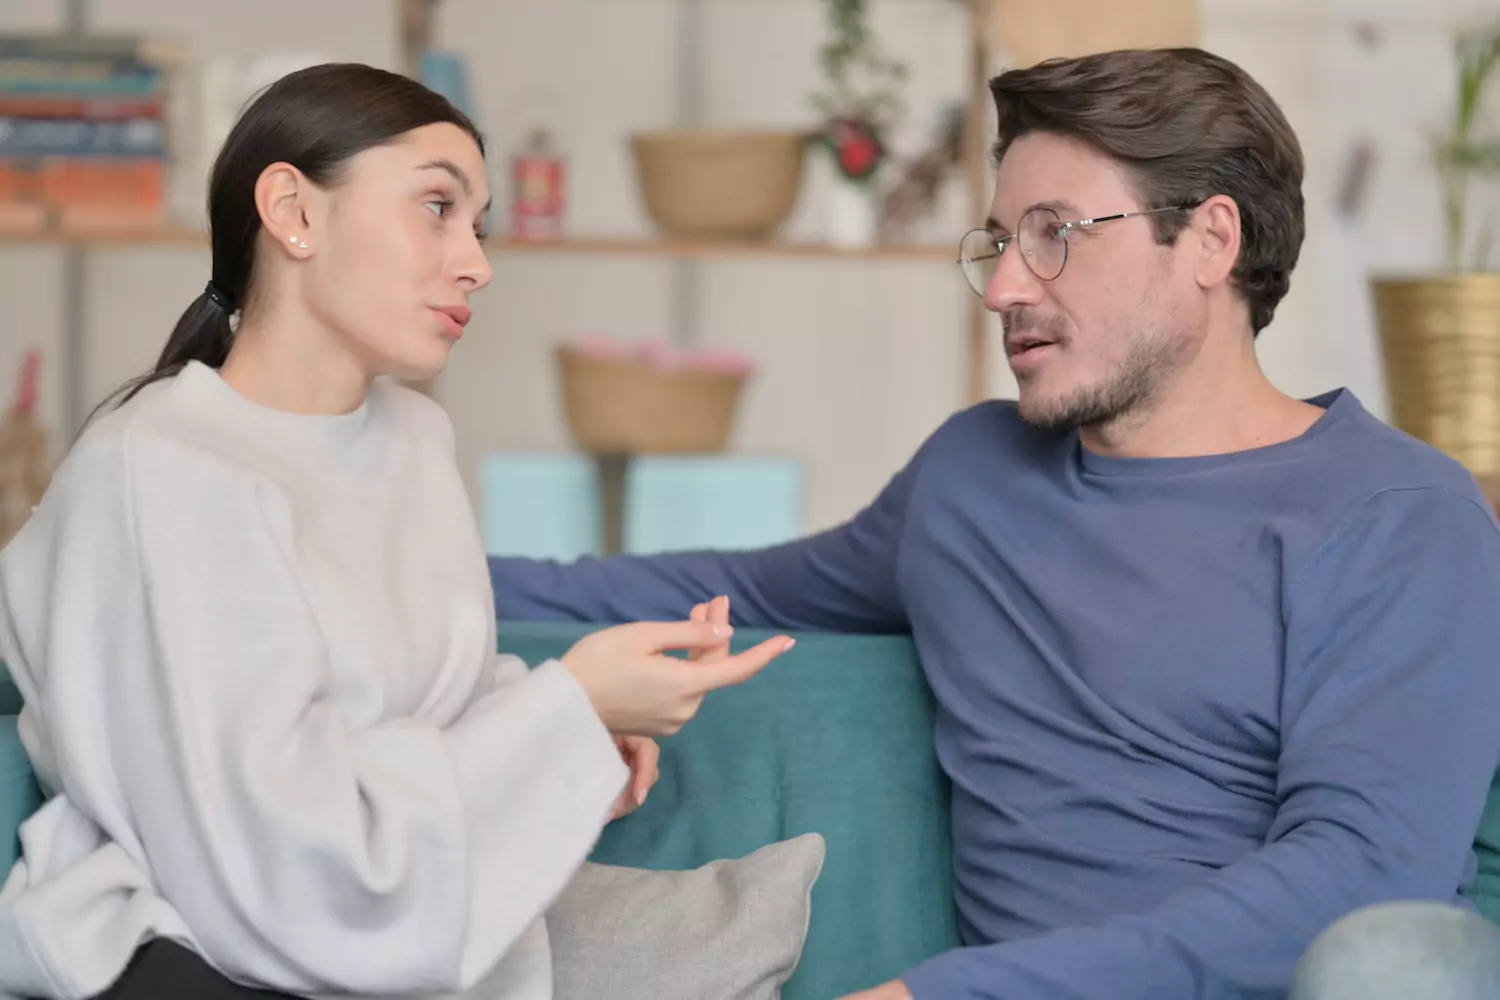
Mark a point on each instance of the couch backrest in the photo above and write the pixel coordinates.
(834, 738)
(1486, 890)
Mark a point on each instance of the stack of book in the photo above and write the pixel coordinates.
(83, 133)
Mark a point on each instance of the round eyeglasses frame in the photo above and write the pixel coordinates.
(972, 258)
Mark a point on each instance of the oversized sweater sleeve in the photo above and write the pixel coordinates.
(841, 579)
(303, 852)
(1389, 744)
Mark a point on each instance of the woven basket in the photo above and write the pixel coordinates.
(24, 470)
(719, 185)
(1440, 339)
(633, 407)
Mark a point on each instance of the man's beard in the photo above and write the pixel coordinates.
(1129, 389)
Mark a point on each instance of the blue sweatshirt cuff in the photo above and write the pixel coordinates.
(939, 978)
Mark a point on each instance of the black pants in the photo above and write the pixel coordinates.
(165, 970)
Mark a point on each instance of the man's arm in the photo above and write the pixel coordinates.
(1389, 744)
(843, 579)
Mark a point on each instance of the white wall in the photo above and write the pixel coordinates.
(859, 361)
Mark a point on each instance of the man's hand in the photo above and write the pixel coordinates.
(894, 990)
(643, 756)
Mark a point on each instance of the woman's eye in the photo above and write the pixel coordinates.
(441, 208)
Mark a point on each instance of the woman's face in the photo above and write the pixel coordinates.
(399, 251)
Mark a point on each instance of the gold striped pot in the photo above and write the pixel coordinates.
(1440, 341)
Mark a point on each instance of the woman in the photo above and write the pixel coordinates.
(253, 625)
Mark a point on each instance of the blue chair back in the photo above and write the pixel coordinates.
(683, 502)
(540, 505)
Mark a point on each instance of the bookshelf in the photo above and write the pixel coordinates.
(710, 249)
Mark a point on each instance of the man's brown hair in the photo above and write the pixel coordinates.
(1186, 125)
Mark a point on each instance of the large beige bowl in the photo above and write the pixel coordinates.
(719, 185)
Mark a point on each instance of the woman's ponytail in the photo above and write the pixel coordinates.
(203, 333)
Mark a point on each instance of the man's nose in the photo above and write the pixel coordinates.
(1013, 284)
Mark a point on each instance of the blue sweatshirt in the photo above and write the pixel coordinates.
(1194, 709)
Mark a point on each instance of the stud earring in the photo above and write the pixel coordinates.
(302, 245)
(291, 239)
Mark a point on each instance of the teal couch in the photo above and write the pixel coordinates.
(835, 737)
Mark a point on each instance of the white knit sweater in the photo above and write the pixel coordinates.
(258, 656)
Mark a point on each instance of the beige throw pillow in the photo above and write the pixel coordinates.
(731, 930)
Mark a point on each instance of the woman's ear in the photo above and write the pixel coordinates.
(287, 201)
(1217, 225)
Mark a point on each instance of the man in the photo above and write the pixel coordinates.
(1215, 666)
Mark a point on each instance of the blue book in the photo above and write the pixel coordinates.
(448, 74)
(72, 45)
(35, 137)
(75, 65)
(79, 80)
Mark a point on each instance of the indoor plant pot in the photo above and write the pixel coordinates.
(1440, 345)
(1440, 333)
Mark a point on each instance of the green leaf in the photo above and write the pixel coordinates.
(1475, 156)
(859, 75)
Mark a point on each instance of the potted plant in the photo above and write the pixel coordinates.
(1440, 333)
(858, 106)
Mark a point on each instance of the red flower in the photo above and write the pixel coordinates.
(856, 148)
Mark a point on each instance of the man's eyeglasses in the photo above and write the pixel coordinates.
(1043, 241)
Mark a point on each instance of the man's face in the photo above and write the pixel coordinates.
(1096, 342)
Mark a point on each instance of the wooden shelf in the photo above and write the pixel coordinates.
(188, 237)
(178, 236)
(699, 249)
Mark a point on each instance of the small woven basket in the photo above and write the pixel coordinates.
(627, 406)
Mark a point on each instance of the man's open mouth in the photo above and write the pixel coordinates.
(1020, 345)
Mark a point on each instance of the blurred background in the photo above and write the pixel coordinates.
(725, 307)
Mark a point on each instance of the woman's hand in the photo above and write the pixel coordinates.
(639, 691)
(715, 613)
(643, 755)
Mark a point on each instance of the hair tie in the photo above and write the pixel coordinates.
(218, 298)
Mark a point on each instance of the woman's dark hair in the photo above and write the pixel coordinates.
(1186, 125)
(316, 119)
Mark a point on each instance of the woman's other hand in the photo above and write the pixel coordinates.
(643, 755)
